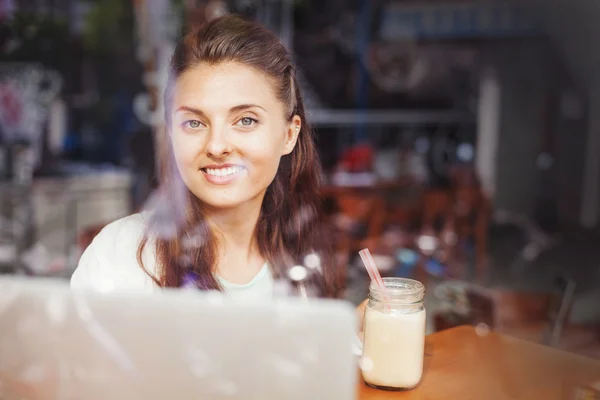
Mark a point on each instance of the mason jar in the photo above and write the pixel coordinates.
(394, 335)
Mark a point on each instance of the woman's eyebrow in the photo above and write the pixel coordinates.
(242, 107)
(191, 109)
(232, 110)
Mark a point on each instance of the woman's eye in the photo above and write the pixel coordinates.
(194, 124)
(247, 121)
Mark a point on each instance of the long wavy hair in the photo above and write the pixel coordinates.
(290, 225)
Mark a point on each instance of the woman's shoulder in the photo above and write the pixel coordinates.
(132, 226)
(123, 236)
(110, 261)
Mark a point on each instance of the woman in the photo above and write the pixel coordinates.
(238, 203)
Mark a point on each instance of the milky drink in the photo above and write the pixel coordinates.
(394, 335)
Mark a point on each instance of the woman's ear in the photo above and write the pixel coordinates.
(291, 134)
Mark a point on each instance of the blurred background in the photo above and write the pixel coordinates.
(459, 138)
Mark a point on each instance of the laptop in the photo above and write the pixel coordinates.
(59, 344)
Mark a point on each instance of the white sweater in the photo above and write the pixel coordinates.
(110, 264)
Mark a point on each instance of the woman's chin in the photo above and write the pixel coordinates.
(229, 197)
(226, 203)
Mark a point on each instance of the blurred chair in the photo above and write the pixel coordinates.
(350, 217)
(525, 315)
(456, 217)
(437, 207)
(360, 216)
(472, 211)
(537, 317)
(583, 339)
(436, 221)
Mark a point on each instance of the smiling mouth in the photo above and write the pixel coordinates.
(222, 172)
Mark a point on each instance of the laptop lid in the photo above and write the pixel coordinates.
(59, 344)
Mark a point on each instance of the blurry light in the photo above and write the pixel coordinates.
(312, 261)
(465, 152)
(544, 161)
(407, 256)
(482, 329)
(531, 252)
(216, 9)
(366, 364)
(306, 215)
(427, 243)
(422, 145)
(186, 260)
(297, 273)
(193, 240)
(450, 237)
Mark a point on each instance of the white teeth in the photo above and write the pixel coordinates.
(223, 171)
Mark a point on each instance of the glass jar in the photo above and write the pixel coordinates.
(394, 335)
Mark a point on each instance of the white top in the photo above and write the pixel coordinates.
(110, 263)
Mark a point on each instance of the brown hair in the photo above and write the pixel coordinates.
(290, 222)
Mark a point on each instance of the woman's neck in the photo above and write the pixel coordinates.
(238, 255)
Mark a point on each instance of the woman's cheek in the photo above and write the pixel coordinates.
(185, 150)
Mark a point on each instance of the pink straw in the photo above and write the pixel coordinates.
(372, 270)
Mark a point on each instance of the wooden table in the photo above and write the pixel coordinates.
(460, 364)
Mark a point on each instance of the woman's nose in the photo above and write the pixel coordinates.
(218, 143)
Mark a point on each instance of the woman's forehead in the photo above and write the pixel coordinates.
(224, 85)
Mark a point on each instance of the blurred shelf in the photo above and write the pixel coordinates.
(460, 20)
(337, 118)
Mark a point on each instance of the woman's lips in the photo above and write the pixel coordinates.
(222, 175)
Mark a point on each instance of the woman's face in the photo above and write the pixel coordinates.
(229, 132)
